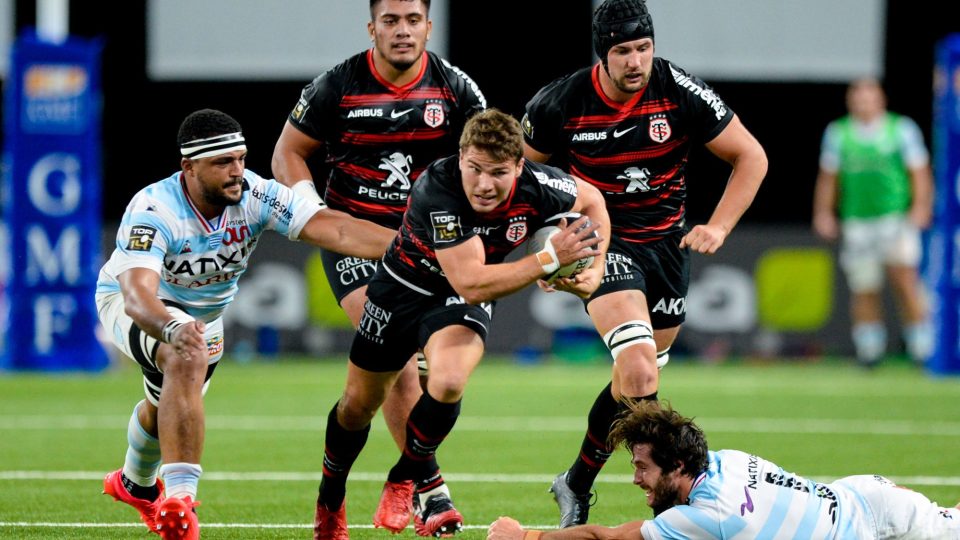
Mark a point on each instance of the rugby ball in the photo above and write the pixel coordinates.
(550, 228)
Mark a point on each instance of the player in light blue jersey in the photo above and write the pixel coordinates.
(183, 244)
(699, 494)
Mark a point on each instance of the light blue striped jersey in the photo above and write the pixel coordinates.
(200, 261)
(742, 496)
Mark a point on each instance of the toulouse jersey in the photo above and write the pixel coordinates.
(742, 496)
(200, 261)
(379, 137)
(635, 153)
(440, 216)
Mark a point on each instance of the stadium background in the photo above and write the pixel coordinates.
(773, 290)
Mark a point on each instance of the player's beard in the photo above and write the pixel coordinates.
(220, 198)
(665, 496)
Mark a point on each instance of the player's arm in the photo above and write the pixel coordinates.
(743, 152)
(825, 222)
(465, 266)
(345, 234)
(591, 204)
(289, 162)
(139, 287)
(921, 204)
(506, 528)
(535, 155)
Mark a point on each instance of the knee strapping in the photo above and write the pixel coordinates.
(628, 334)
(663, 357)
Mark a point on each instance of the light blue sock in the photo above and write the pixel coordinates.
(920, 340)
(870, 339)
(143, 453)
(181, 479)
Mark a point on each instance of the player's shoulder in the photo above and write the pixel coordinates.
(338, 76)
(562, 91)
(450, 75)
(540, 176)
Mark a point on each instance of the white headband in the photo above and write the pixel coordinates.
(213, 146)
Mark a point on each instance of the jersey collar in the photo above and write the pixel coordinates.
(389, 85)
(207, 227)
(619, 107)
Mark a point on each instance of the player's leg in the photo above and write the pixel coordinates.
(453, 338)
(348, 277)
(902, 260)
(898, 512)
(860, 258)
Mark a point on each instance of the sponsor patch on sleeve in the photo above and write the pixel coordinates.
(300, 109)
(527, 126)
(446, 227)
(141, 238)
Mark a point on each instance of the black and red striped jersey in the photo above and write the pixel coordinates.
(379, 137)
(439, 216)
(635, 153)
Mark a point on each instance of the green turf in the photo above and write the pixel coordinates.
(822, 420)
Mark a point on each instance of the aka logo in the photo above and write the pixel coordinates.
(398, 165)
(589, 136)
(659, 129)
(675, 306)
(639, 179)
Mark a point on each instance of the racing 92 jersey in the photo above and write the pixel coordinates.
(440, 216)
(200, 261)
(742, 496)
(379, 137)
(635, 153)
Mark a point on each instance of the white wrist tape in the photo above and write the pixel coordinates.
(306, 189)
(166, 333)
(547, 257)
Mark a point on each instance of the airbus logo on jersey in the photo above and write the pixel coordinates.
(589, 136)
(365, 113)
(566, 185)
(707, 95)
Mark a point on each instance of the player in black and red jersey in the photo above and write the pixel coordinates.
(378, 119)
(434, 290)
(626, 125)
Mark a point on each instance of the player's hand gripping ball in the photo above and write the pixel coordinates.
(550, 228)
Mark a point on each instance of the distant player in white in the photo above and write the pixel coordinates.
(182, 245)
(699, 494)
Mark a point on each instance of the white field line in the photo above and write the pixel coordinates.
(512, 424)
(51, 524)
(358, 476)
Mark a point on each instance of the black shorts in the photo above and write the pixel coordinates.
(660, 269)
(397, 321)
(346, 274)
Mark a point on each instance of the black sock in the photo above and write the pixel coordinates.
(147, 493)
(341, 449)
(429, 424)
(594, 451)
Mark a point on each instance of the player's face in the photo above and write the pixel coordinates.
(865, 99)
(662, 489)
(219, 178)
(630, 64)
(487, 182)
(400, 30)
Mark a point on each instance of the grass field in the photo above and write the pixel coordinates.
(520, 426)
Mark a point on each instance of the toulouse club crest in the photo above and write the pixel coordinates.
(433, 114)
(659, 129)
(516, 231)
